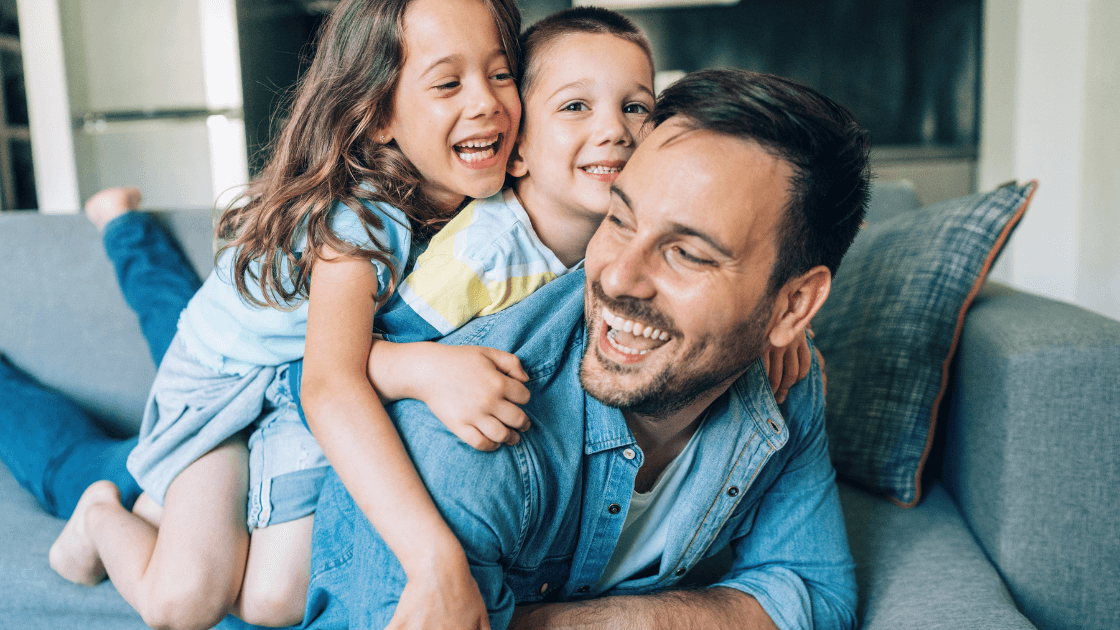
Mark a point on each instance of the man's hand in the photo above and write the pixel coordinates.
(711, 609)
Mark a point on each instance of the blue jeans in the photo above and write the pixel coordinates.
(53, 447)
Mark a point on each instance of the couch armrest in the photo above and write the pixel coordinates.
(1033, 452)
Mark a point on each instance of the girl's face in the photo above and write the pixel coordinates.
(583, 115)
(456, 109)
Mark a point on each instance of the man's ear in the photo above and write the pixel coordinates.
(516, 167)
(797, 302)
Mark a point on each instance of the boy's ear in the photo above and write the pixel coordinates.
(797, 302)
(516, 167)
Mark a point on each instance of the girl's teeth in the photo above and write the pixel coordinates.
(475, 156)
(602, 170)
(477, 144)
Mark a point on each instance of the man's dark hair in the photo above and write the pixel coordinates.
(819, 138)
(537, 38)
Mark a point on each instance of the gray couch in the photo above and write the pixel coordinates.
(1015, 531)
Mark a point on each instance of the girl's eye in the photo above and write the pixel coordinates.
(635, 108)
(503, 76)
(575, 106)
(450, 85)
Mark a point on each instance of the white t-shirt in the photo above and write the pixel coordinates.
(642, 540)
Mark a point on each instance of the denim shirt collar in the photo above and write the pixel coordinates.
(604, 427)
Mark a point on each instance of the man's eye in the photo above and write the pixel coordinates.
(635, 108)
(696, 260)
(576, 106)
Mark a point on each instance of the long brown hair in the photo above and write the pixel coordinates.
(328, 153)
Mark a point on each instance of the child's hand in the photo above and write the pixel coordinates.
(475, 391)
(787, 366)
(447, 599)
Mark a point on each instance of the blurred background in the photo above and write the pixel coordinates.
(180, 98)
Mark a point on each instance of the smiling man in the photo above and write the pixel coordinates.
(656, 441)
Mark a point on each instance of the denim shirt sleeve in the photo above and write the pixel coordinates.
(356, 580)
(793, 557)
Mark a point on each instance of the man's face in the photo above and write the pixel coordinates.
(677, 275)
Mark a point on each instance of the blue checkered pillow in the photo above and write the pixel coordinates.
(890, 326)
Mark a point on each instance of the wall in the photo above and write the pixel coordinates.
(48, 104)
(1050, 80)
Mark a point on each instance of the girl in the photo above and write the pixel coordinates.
(408, 108)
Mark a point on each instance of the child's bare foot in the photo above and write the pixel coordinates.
(110, 204)
(73, 555)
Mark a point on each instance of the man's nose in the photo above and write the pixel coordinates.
(630, 273)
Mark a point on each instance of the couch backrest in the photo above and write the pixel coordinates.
(63, 320)
(62, 317)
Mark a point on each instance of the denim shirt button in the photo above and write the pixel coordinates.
(583, 589)
(614, 508)
(732, 491)
(544, 588)
(629, 453)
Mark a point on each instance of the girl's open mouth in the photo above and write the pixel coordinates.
(479, 152)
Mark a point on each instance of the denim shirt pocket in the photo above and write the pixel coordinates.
(533, 584)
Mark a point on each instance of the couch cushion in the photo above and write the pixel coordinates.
(32, 596)
(921, 569)
(890, 326)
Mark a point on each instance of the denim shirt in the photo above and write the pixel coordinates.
(538, 521)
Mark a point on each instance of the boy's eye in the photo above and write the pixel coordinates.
(575, 106)
(635, 108)
(503, 76)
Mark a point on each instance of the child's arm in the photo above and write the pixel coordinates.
(355, 433)
(475, 391)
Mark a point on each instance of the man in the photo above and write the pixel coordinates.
(724, 231)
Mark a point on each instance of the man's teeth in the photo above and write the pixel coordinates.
(602, 170)
(634, 328)
(612, 336)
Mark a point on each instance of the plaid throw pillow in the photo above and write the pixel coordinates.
(890, 326)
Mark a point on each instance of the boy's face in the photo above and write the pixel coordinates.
(582, 118)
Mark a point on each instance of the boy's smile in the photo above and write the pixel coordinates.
(583, 117)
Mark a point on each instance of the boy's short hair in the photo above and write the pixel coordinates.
(538, 37)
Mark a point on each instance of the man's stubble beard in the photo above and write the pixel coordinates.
(677, 385)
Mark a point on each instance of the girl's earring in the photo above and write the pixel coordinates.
(382, 139)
